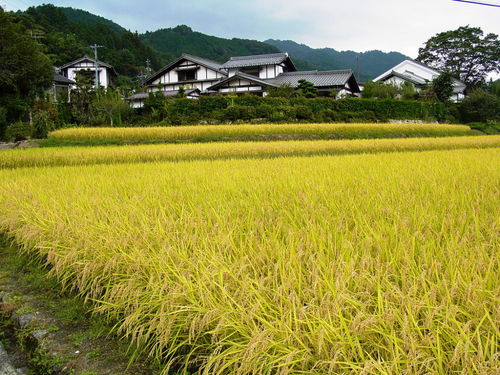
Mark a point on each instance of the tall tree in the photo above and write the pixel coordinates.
(24, 70)
(443, 86)
(466, 52)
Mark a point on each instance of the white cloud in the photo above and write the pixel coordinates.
(359, 25)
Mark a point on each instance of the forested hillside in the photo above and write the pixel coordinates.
(173, 42)
(66, 34)
(371, 63)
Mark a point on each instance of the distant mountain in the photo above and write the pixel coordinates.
(172, 42)
(67, 33)
(371, 63)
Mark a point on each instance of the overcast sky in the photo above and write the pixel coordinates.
(359, 25)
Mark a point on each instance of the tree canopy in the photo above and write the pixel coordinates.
(466, 52)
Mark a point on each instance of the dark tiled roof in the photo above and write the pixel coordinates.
(199, 60)
(167, 94)
(255, 60)
(101, 63)
(319, 79)
(61, 79)
(203, 61)
(240, 75)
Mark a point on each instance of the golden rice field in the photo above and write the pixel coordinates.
(217, 132)
(54, 156)
(355, 264)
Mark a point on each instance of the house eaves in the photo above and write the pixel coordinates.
(213, 65)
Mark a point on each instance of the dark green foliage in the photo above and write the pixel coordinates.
(111, 107)
(240, 112)
(371, 63)
(68, 33)
(379, 90)
(407, 91)
(489, 128)
(216, 109)
(306, 89)
(466, 52)
(495, 88)
(443, 86)
(171, 43)
(44, 117)
(303, 112)
(480, 106)
(18, 131)
(285, 90)
(25, 70)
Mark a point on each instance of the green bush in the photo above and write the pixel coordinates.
(239, 112)
(42, 124)
(303, 112)
(480, 106)
(264, 111)
(216, 109)
(19, 131)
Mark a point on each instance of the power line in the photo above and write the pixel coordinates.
(477, 3)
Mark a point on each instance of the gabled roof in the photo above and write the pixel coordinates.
(327, 78)
(167, 94)
(413, 78)
(248, 77)
(259, 60)
(61, 79)
(185, 56)
(101, 63)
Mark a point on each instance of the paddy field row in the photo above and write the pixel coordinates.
(374, 263)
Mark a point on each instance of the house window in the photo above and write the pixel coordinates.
(187, 75)
(253, 71)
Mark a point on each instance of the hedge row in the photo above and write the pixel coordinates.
(250, 108)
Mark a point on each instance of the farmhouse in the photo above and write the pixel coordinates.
(105, 72)
(419, 75)
(60, 89)
(241, 75)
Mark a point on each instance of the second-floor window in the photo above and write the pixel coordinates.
(253, 71)
(187, 75)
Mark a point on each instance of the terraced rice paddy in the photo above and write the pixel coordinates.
(371, 264)
(40, 157)
(202, 133)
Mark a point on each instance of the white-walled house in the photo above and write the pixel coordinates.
(188, 71)
(419, 75)
(266, 66)
(253, 74)
(105, 71)
(60, 89)
(137, 100)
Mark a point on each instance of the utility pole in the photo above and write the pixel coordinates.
(96, 64)
(148, 67)
(357, 68)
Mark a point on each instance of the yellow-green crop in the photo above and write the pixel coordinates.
(38, 157)
(217, 132)
(353, 264)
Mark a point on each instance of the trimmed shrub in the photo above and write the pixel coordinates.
(19, 131)
(303, 112)
(239, 112)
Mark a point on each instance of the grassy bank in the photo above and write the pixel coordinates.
(39, 157)
(205, 133)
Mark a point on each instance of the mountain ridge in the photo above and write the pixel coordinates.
(69, 32)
